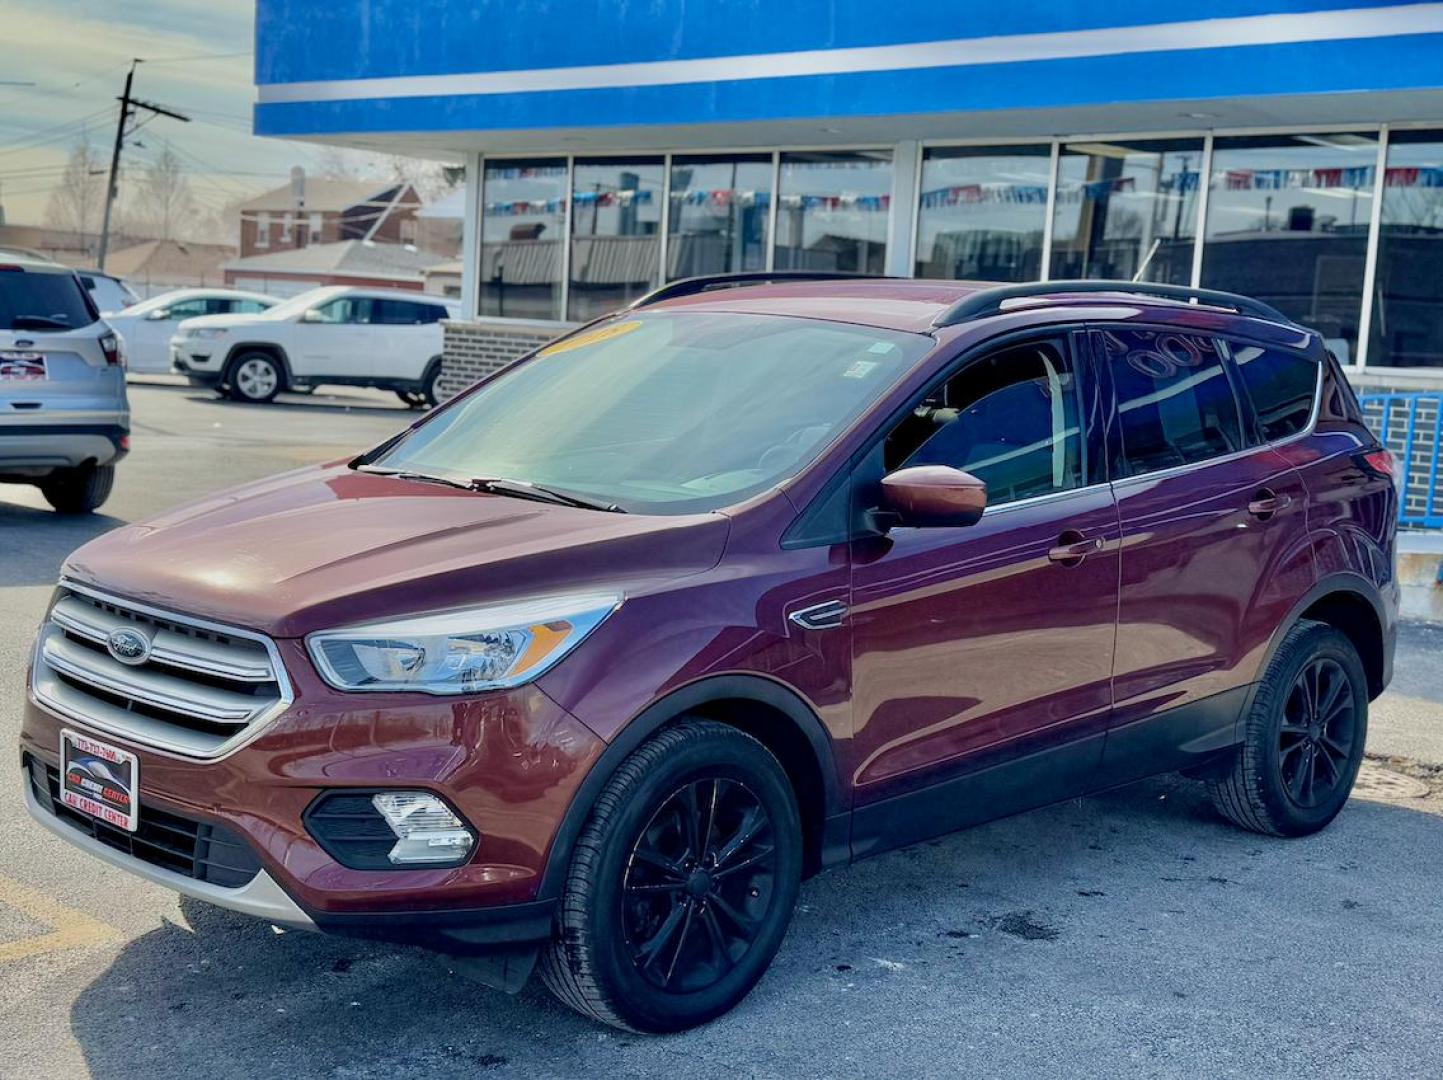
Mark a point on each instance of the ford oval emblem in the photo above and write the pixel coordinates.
(128, 646)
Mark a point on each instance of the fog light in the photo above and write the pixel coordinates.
(388, 829)
(426, 829)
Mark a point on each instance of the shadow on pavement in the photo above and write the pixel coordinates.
(1131, 933)
(36, 541)
(297, 403)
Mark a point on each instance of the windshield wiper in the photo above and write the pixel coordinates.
(420, 478)
(526, 489)
(499, 485)
(38, 322)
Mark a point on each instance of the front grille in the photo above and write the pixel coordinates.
(197, 849)
(200, 691)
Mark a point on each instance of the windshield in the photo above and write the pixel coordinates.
(666, 412)
(42, 301)
(302, 302)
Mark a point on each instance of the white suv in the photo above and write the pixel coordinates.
(348, 336)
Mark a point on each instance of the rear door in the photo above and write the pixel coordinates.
(983, 655)
(412, 333)
(1213, 545)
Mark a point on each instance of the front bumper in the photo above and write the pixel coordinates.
(192, 370)
(509, 762)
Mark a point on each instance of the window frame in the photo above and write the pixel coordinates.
(1254, 428)
(841, 510)
(1116, 448)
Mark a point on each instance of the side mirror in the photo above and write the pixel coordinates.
(933, 495)
(159, 315)
(313, 316)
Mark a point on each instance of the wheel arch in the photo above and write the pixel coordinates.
(1351, 604)
(768, 711)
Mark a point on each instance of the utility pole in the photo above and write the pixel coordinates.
(128, 106)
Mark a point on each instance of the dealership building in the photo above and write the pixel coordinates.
(1289, 150)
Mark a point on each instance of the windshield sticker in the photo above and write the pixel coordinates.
(883, 347)
(603, 333)
(860, 369)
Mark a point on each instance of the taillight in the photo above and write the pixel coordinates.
(1384, 463)
(110, 346)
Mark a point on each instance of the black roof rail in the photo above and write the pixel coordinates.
(707, 282)
(989, 301)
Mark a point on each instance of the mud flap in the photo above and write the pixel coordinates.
(506, 967)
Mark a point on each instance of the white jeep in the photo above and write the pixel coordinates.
(343, 335)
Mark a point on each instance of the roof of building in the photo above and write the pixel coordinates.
(326, 195)
(355, 257)
(168, 261)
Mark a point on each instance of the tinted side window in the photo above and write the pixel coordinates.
(1009, 418)
(399, 313)
(1174, 400)
(246, 307)
(1282, 386)
(189, 309)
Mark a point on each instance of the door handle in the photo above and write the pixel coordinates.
(1266, 503)
(1072, 547)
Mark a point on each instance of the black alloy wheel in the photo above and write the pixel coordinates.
(1315, 740)
(681, 884)
(698, 885)
(1303, 737)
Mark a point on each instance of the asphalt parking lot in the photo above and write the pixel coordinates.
(1131, 934)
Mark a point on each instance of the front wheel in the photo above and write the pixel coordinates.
(256, 378)
(1303, 744)
(79, 491)
(682, 884)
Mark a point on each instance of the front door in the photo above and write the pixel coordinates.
(982, 656)
(336, 342)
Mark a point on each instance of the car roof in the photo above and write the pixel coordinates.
(918, 305)
(34, 265)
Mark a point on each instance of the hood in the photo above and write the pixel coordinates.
(223, 322)
(327, 546)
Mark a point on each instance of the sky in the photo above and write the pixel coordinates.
(198, 60)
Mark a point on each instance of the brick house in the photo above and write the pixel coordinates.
(327, 212)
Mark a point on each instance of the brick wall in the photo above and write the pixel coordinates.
(474, 350)
(1409, 425)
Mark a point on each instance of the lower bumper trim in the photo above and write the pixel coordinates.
(261, 897)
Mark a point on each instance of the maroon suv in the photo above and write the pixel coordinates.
(595, 663)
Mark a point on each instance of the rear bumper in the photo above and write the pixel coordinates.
(59, 442)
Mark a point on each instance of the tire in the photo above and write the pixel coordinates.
(1298, 760)
(79, 491)
(255, 378)
(412, 399)
(654, 950)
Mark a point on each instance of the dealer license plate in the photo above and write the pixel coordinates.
(22, 367)
(99, 780)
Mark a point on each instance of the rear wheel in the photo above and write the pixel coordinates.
(255, 378)
(1304, 740)
(682, 884)
(79, 491)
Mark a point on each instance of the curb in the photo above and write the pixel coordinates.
(1420, 575)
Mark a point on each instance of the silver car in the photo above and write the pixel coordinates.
(64, 417)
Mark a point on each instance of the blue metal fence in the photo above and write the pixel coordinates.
(1411, 426)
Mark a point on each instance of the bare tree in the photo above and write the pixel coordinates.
(78, 201)
(163, 200)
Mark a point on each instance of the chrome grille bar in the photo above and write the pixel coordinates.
(199, 690)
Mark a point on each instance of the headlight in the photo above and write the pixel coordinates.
(205, 332)
(459, 652)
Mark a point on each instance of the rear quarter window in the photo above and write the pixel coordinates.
(41, 302)
(1282, 386)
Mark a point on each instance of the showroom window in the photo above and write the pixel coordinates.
(719, 213)
(833, 211)
(1126, 210)
(1406, 329)
(982, 212)
(615, 233)
(523, 226)
(1287, 223)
